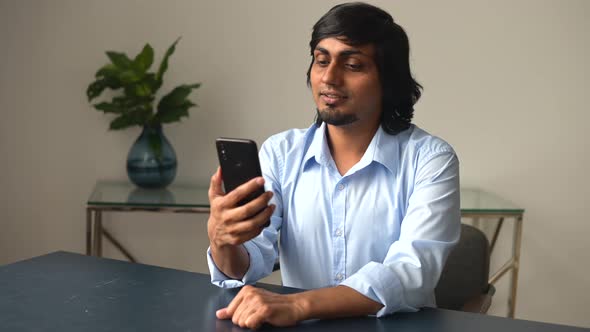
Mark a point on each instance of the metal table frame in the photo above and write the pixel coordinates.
(94, 225)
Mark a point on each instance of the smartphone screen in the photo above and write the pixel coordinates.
(239, 163)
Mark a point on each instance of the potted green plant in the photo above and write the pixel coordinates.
(151, 162)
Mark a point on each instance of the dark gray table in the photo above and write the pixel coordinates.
(71, 292)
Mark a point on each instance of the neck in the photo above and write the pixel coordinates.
(348, 144)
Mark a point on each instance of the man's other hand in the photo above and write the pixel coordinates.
(253, 307)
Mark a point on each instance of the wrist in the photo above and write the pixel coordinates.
(302, 305)
(232, 261)
(221, 248)
(215, 247)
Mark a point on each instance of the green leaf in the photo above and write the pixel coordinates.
(108, 70)
(108, 107)
(164, 63)
(150, 80)
(129, 76)
(137, 117)
(138, 90)
(120, 60)
(131, 102)
(113, 83)
(95, 89)
(174, 114)
(174, 105)
(122, 122)
(104, 80)
(142, 90)
(176, 96)
(144, 60)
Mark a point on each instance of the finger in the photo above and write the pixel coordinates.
(236, 233)
(222, 314)
(245, 308)
(215, 188)
(234, 304)
(246, 315)
(253, 224)
(251, 208)
(238, 316)
(241, 192)
(241, 232)
(262, 218)
(239, 239)
(255, 320)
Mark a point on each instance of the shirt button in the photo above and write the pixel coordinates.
(340, 186)
(338, 232)
(339, 277)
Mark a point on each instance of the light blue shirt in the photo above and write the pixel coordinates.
(385, 228)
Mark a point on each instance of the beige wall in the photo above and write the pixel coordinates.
(506, 83)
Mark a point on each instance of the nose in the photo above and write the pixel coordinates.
(332, 75)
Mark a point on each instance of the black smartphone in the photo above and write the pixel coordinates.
(239, 163)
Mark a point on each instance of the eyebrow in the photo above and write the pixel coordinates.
(344, 53)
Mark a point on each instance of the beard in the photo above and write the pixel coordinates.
(333, 117)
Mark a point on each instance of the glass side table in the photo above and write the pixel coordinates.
(476, 204)
(121, 196)
(124, 196)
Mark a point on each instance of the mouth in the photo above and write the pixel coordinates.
(332, 97)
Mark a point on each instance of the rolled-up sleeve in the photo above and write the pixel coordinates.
(406, 278)
(258, 268)
(263, 249)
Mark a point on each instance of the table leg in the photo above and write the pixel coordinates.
(97, 233)
(476, 222)
(496, 233)
(88, 232)
(118, 245)
(516, 266)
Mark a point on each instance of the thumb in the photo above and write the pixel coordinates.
(215, 188)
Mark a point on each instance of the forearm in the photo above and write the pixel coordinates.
(233, 261)
(335, 302)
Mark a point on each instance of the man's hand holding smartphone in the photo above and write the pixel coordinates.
(241, 211)
(231, 224)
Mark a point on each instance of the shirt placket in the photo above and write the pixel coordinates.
(338, 238)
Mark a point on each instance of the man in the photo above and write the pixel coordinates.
(366, 203)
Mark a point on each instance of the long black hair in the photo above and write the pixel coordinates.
(360, 24)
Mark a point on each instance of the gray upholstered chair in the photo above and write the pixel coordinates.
(463, 284)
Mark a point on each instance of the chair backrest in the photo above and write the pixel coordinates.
(466, 272)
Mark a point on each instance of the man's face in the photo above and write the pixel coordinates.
(345, 83)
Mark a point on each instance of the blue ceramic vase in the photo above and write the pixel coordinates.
(151, 162)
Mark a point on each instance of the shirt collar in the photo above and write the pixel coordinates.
(318, 147)
(384, 149)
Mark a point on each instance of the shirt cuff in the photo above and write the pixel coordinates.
(219, 279)
(379, 283)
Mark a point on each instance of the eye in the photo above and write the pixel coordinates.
(353, 66)
(321, 61)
